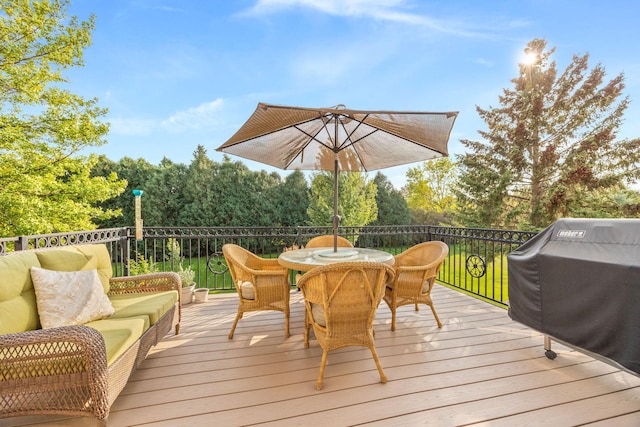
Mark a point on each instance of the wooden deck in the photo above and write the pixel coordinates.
(481, 368)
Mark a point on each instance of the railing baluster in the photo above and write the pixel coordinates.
(476, 262)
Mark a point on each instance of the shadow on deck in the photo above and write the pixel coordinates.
(481, 368)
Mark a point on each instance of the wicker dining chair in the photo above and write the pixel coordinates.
(262, 284)
(327, 241)
(340, 304)
(416, 271)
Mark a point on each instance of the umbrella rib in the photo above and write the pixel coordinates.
(348, 137)
(351, 143)
(311, 138)
(262, 135)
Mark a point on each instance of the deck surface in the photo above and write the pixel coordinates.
(481, 368)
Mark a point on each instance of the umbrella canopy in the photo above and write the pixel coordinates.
(339, 139)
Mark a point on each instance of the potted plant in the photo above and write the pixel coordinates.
(187, 276)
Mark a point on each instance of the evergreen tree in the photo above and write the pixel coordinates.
(551, 143)
(164, 195)
(291, 199)
(136, 174)
(392, 206)
(200, 199)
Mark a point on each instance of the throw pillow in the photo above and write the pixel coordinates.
(69, 297)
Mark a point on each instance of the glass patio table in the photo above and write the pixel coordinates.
(307, 259)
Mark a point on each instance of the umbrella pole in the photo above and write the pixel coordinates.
(336, 218)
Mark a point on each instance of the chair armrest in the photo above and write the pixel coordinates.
(271, 264)
(411, 278)
(48, 370)
(266, 269)
(151, 282)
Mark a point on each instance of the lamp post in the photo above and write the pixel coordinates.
(138, 207)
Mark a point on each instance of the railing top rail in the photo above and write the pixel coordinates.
(37, 241)
(504, 236)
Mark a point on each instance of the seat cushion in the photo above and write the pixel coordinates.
(154, 305)
(317, 311)
(120, 333)
(247, 289)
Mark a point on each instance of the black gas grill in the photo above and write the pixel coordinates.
(578, 282)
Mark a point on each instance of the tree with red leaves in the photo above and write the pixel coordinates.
(550, 150)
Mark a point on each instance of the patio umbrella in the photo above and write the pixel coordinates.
(339, 139)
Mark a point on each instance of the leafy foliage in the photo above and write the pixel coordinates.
(430, 191)
(141, 265)
(356, 199)
(45, 185)
(550, 147)
(187, 274)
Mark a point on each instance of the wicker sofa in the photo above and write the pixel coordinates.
(77, 369)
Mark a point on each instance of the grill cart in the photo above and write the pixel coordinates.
(578, 282)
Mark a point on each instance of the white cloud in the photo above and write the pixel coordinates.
(168, 9)
(204, 116)
(326, 66)
(379, 8)
(196, 118)
(483, 61)
(395, 11)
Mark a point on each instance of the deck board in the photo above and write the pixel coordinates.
(481, 368)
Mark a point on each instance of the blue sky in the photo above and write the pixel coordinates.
(178, 73)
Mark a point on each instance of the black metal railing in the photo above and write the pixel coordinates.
(477, 262)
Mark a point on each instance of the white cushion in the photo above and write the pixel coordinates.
(247, 290)
(69, 297)
(425, 287)
(317, 311)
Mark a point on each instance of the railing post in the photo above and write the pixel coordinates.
(22, 244)
(299, 236)
(126, 252)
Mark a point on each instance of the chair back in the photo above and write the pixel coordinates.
(349, 294)
(243, 263)
(417, 268)
(327, 241)
(236, 257)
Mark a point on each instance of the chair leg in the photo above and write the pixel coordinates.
(383, 377)
(233, 328)
(307, 326)
(298, 276)
(393, 318)
(286, 325)
(436, 316)
(323, 362)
